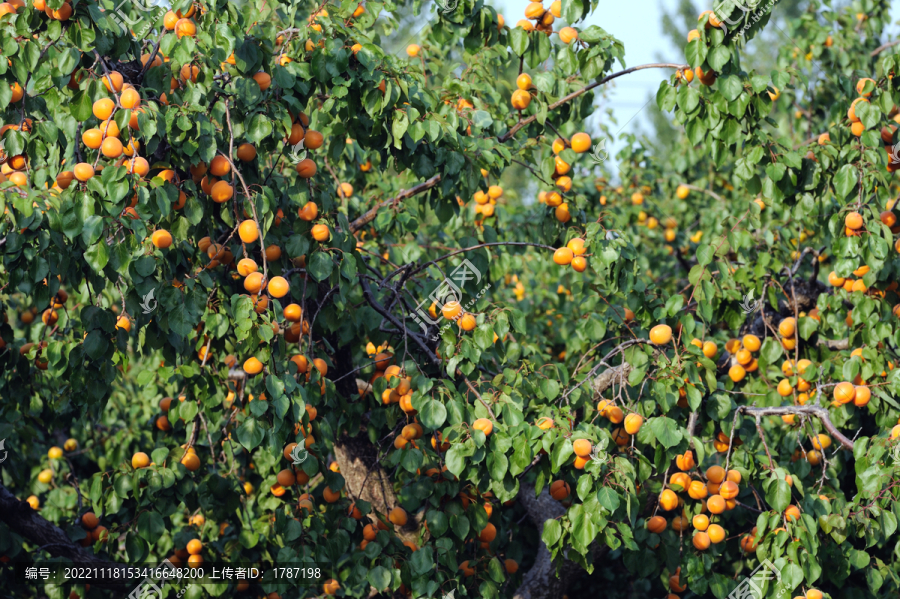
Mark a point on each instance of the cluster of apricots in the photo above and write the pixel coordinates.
(572, 254)
(486, 201)
(631, 424)
(743, 359)
(453, 310)
(709, 77)
(63, 13)
(94, 531)
(191, 555)
(543, 21)
(579, 143)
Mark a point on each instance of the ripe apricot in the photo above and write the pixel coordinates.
(661, 334)
(563, 256)
(582, 447)
(129, 99)
(92, 138)
(185, 28)
(398, 516)
(286, 478)
(313, 140)
(520, 99)
(559, 490)
(263, 79)
(161, 238)
(700, 522)
(320, 233)
(656, 524)
(715, 474)
(103, 108)
(246, 152)
(668, 500)
(221, 192)
(484, 425)
(716, 533)
(248, 231)
(701, 541)
(252, 366)
(633, 423)
(140, 460)
(488, 533)
(191, 461)
(306, 168)
(792, 513)
(844, 392)
(83, 171)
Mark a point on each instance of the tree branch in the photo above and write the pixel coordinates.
(26, 522)
(369, 216)
(522, 123)
(817, 411)
(882, 48)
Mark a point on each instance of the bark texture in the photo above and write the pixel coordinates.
(29, 524)
(543, 581)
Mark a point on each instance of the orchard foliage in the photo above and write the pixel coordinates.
(226, 228)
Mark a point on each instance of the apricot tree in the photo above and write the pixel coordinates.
(275, 295)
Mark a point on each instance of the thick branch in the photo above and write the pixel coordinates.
(370, 298)
(817, 411)
(522, 123)
(369, 216)
(835, 344)
(26, 522)
(882, 48)
(708, 192)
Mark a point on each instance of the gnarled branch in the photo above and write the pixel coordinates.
(817, 411)
(369, 216)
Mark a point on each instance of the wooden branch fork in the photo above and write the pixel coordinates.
(817, 411)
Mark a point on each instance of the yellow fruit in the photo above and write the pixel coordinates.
(661, 334)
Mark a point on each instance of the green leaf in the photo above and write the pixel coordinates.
(845, 180)
(518, 41)
(97, 256)
(250, 434)
(456, 461)
(608, 498)
(562, 451)
(731, 87)
(320, 266)
(433, 413)
(665, 430)
(779, 495)
(552, 532)
(150, 526)
(81, 106)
